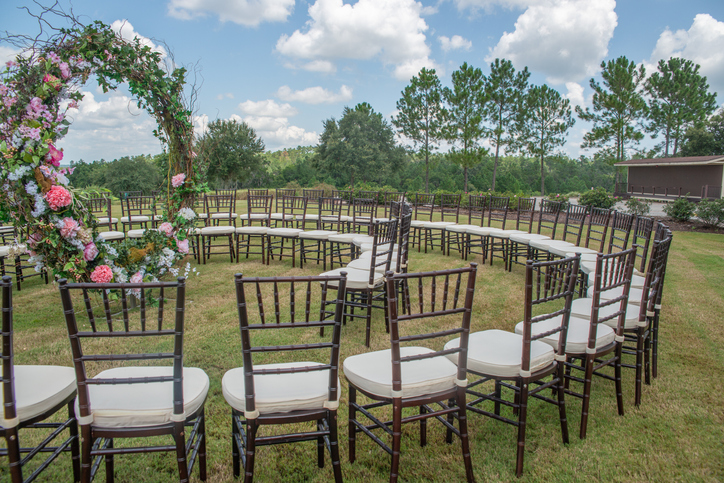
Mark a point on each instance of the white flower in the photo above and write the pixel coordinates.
(31, 187)
(187, 214)
(18, 173)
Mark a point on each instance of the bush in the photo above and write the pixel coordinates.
(597, 198)
(638, 207)
(711, 212)
(680, 209)
(559, 198)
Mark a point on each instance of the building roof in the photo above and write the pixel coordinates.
(687, 161)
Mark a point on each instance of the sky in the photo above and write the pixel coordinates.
(285, 66)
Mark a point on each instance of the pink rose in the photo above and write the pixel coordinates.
(54, 155)
(90, 252)
(102, 274)
(183, 246)
(58, 197)
(166, 228)
(136, 277)
(64, 70)
(178, 180)
(70, 227)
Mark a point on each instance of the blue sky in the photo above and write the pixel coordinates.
(284, 66)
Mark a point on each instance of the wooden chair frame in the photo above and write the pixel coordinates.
(258, 212)
(140, 207)
(219, 208)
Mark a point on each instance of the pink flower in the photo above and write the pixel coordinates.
(34, 239)
(166, 228)
(183, 246)
(102, 274)
(58, 197)
(54, 155)
(70, 227)
(90, 252)
(178, 180)
(73, 104)
(136, 277)
(64, 70)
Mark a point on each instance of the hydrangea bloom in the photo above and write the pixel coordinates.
(187, 213)
(70, 227)
(90, 252)
(102, 274)
(166, 228)
(58, 197)
(137, 277)
(178, 180)
(183, 246)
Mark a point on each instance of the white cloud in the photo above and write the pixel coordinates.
(7, 54)
(315, 95)
(277, 133)
(201, 124)
(267, 108)
(563, 39)
(323, 66)
(109, 129)
(244, 12)
(392, 31)
(703, 44)
(488, 5)
(575, 94)
(125, 29)
(454, 43)
(226, 95)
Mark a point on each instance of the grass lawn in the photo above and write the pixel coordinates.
(676, 434)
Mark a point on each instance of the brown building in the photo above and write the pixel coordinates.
(699, 176)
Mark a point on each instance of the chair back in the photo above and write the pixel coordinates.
(140, 206)
(10, 412)
(524, 215)
(226, 192)
(389, 197)
(383, 246)
(642, 239)
(346, 196)
(548, 217)
(220, 208)
(431, 295)
(450, 207)
(620, 234)
(403, 212)
(288, 305)
(126, 194)
(312, 197)
(424, 206)
(370, 195)
(280, 193)
(258, 208)
(100, 207)
(363, 215)
(129, 334)
(598, 221)
(294, 208)
(573, 227)
(330, 214)
(477, 208)
(612, 271)
(257, 192)
(549, 289)
(498, 210)
(654, 281)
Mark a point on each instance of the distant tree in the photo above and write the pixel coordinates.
(421, 115)
(618, 108)
(707, 139)
(505, 89)
(361, 144)
(680, 98)
(542, 124)
(88, 174)
(230, 154)
(137, 173)
(464, 128)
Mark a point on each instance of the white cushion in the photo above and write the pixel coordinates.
(364, 264)
(577, 339)
(104, 220)
(582, 308)
(546, 244)
(281, 216)
(346, 218)
(459, 228)
(483, 230)
(218, 230)
(4, 251)
(506, 233)
(499, 353)
(135, 233)
(359, 240)
(317, 234)
(136, 218)
(202, 215)
(380, 219)
(439, 225)
(634, 295)
(288, 232)
(419, 223)
(279, 393)
(140, 405)
(367, 247)
(562, 250)
(525, 238)
(113, 235)
(637, 281)
(252, 230)
(307, 217)
(343, 237)
(253, 216)
(39, 389)
(221, 216)
(372, 372)
(356, 279)
(585, 257)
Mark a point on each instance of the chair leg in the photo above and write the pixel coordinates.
(396, 438)
(522, 415)
(13, 445)
(655, 345)
(320, 444)
(235, 450)
(639, 362)
(586, 395)
(464, 439)
(250, 448)
(562, 404)
(75, 444)
(368, 318)
(351, 418)
(110, 466)
(334, 445)
(617, 378)
(423, 427)
(201, 441)
(85, 453)
(178, 436)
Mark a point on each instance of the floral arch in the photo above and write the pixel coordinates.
(37, 90)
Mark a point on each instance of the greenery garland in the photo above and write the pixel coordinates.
(37, 89)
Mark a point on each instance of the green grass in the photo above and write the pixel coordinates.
(676, 434)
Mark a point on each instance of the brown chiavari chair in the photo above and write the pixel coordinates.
(499, 241)
(101, 208)
(573, 229)
(408, 375)
(30, 396)
(389, 197)
(11, 248)
(312, 197)
(257, 192)
(449, 215)
(620, 234)
(455, 234)
(346, 196)
(306, 390)
(599, 220)
(139, 210)
(424, 205)
(254, 226)
(548, 218)
(293, 208)
(329, 223)
(523, 363)
(643, 228)
(277, 216)
(219, 208)
(478, 238)
(121, 395)
(342, 245)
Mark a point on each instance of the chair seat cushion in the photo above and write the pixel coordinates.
(364, 264)
(637, 281)
(4, 251)
(577, 339)
(104, 220)
(634, 294)
(562, 250)
(499, 353)
(135, 233)
(252, 230)
(113, 235)
(221, 216)
(506, 233)
(254, 216)
(459, 228)
(308, 217)
(525, 238)
(135, 218)
(279, 393)
(439, 225)
(582, 307)
(419, 223)
(141, 405)
(343, 237)
(281, 216)
(359, 240)
(483, 230)
(218, 230)
(203, 216)
(356, 279)
(40, 388)
(543, 244)
(288, 232)
(317, 234)
(367, 247)
(372, 372)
